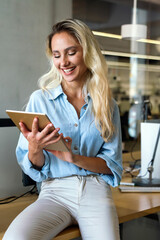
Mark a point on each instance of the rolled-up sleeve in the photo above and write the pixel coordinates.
(111, 152)
(34, 105)
(26, 165)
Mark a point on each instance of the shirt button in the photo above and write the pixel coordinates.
(84, 108)
(76, 125)
(80, 168)
(75, 148)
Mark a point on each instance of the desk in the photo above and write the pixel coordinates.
(134, 205)
(129, 205)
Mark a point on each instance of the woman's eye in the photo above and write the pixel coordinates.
(56, 56)
(71, 53)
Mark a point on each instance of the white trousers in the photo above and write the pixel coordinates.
(65, 201)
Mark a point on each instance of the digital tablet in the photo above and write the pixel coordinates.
(27, 119)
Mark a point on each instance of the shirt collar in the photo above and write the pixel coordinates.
(55, 93)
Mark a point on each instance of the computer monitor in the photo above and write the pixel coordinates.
(149, 134)
(150, 154)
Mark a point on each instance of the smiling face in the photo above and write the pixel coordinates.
(68, 57)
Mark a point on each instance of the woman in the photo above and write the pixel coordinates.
(76, 184)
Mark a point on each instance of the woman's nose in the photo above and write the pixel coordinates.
(64, 61)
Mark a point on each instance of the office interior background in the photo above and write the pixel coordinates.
(133, 64)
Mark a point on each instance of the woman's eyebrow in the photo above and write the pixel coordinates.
(71, 47)
(66, 49)
(55, 51)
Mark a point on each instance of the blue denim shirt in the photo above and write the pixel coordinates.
(86, 139)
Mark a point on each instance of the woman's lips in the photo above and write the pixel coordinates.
(68, 71)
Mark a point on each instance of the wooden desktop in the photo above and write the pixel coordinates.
(129, 206)
(134, 205)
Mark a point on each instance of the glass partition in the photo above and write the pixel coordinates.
(133, 64)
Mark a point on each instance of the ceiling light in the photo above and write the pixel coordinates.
(109, 35)
(134, 31)
(122, 54)
(149, 41)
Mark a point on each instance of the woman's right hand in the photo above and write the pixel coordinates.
(39, 140)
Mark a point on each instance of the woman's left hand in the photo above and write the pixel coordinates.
(65, 156)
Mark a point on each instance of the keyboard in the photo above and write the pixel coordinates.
(139, 189)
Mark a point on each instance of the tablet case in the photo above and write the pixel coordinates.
(27, 119)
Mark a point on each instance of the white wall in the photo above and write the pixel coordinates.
(24, 26)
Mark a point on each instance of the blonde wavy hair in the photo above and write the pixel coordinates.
(96, 84)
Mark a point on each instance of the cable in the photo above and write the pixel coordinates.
(133, 168)
(135, 160)
(130, 171)
(132, 148)
(141, 176)
(13, 198)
